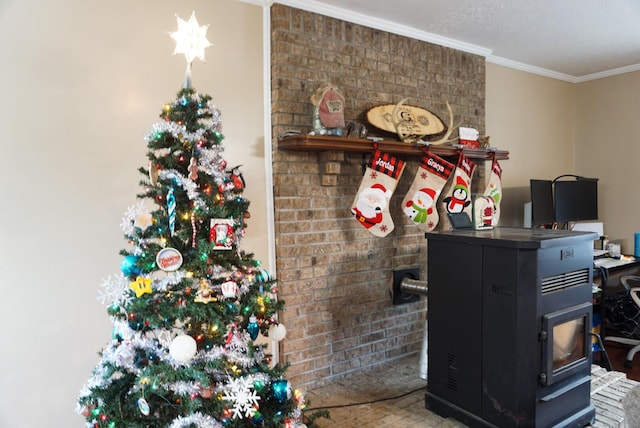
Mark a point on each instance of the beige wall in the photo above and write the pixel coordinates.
(608, 147)
(81, 82)
(533, 117)
(552, 127)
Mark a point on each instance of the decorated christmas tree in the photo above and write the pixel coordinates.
(189, 305)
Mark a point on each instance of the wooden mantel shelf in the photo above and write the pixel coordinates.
(352, 145)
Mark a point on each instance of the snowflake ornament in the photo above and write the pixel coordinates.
(245, 400)
(143, 220)
(115, 291)
(131, 217)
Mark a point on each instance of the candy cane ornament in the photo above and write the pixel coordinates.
(171, 207)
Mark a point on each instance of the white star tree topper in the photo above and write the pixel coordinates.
(191, 40)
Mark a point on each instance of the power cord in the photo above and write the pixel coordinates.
(380, 400)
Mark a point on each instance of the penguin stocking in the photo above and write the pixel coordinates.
(371, 204)
(457, 197)
(419, 202)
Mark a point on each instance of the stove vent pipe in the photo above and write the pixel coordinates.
(414, 286)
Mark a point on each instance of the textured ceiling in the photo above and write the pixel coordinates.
(573, 40)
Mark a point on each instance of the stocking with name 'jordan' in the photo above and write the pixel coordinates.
(456, 198)
(419, 202)
(371, 204)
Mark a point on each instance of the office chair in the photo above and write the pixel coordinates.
(634, 293)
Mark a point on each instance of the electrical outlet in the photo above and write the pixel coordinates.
(397, 295)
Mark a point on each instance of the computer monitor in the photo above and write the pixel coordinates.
(576, 200)
(542, 211)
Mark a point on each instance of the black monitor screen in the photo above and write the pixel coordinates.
(576, 200)
(541, 202)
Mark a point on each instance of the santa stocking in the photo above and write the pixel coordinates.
(457, 197)
(494, 189)
(371, 205)
(419, 203)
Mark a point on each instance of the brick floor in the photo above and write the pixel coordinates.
(401, 377)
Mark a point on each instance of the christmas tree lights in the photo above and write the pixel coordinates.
(188, 303)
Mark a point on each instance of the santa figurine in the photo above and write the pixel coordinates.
(370, 205)
(420, 205)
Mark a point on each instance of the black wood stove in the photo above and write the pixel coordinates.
(509, 327)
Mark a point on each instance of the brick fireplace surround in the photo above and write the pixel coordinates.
(333, 274)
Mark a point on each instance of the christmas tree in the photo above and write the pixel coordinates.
(188, 304)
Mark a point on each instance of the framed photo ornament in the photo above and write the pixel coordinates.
(221, 233)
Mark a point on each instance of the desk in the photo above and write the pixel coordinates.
(613, 264)
(608, 271)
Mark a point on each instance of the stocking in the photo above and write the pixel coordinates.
(371, 205)
(494, 189)
(457, 196)
(419, 203)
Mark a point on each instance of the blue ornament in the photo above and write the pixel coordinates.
(136, 323)
(257, 418)
(253, 327)
(282, 390)
(262, 275)
(128, 266)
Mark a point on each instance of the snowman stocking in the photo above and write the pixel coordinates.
(494, 189)
(371, 205)
(457, 197)
(419, 203)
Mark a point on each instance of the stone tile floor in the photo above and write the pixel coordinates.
(400, 378)
(390, 380)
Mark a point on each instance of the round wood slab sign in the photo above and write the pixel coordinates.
(405, 120)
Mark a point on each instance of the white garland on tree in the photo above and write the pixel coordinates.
(197, 419)
(187, 184)
(184, 388)
(212, 163)
(215, 121)
(176, 130)
(172, 278)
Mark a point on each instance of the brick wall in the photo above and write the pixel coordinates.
(333, 274)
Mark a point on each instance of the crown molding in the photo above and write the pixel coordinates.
(531, 69)
(609, 73)
(384, 25)
(403, 30)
